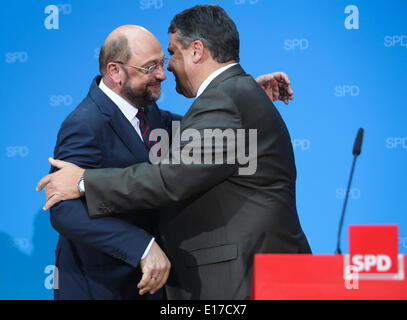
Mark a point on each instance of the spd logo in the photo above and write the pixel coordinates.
(147, 4)
(374, 252)
(57, 100)
(12, 57)
(371, 262)
(296, 44)
(347, 90)
(396, 40)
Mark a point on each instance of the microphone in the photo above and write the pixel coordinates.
(357, 148)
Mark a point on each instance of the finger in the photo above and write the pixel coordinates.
(164, 279)
(156, 284)
(145, 283)
(156, 276)
(286, 92)
(282, 77)
(284, 86)
(279, 77)
(290, 92)
(288, 89)
(285, 77)
(146, 289)
(270, 93)
(50, 195)
(57, 163)
(43, 182)
(53, 200)
(49, 192)
(277, 94)
(144, 280)
(275, 91)
(283, 94)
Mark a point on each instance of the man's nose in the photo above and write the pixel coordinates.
(169, 67)
(160, 73)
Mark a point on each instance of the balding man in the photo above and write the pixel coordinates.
(106, 258)
(113, 258)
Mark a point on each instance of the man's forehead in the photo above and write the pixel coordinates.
(146, 52)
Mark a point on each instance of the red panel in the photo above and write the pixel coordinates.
(375, 247)
(307, 277)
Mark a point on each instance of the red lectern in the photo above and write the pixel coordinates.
(373, 269)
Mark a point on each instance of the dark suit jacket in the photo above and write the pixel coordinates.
(99, 258)
(217, 219)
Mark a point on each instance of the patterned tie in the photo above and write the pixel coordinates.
(145, 129)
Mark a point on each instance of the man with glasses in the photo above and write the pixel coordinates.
(116, 258)
(113, 258)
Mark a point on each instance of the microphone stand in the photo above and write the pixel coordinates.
(338, 249)
(357, 147)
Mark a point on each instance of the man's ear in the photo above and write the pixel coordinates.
(113, 72)
(198, 51)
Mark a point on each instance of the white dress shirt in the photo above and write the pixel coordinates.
(212, 76)
(130, 112)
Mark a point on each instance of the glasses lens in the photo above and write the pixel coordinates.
(152, 69)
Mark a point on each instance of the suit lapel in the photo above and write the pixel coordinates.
(119, 123)
(129, 136)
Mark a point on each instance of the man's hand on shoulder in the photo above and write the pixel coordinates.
(156, 269)
(277, 86)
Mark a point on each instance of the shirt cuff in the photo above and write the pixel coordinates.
(148, 248)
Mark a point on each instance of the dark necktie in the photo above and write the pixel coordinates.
(144, 127)
(145, 130)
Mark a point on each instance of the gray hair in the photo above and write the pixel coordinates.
(211, 25)
(116, 49)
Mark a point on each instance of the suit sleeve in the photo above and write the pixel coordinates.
(167, 118)
(77, 143)
(147, 186)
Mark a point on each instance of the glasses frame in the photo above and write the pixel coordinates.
(149, 70)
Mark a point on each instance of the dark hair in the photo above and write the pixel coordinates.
(211, 25)
(116, 49)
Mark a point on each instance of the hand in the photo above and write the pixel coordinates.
(156, 269)
(61, 185)
(277, 86)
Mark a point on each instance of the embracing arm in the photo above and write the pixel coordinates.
(111, 236)
(146, 186)
(78, 144)
(277, 85)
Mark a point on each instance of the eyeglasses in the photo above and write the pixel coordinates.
(148, 70)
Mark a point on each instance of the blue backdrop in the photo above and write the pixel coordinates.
(347, 61)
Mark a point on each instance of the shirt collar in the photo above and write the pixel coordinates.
(212, 76)
(125, 107)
